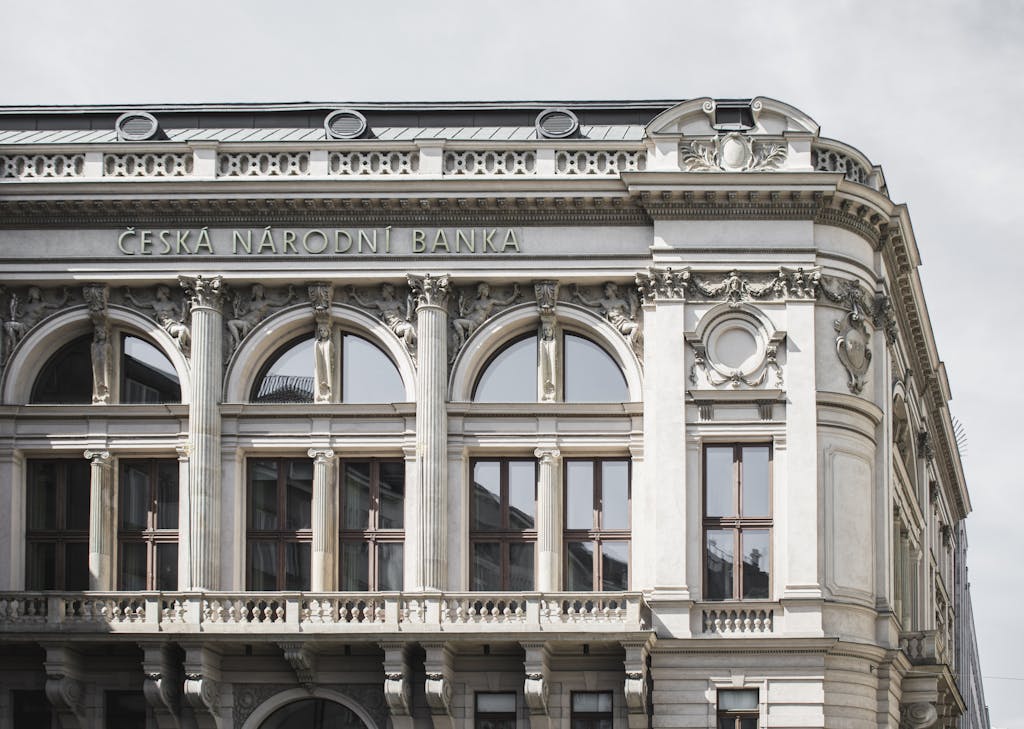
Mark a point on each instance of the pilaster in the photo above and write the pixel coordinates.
(184, 518)
(324, 561)
(549, 519)
(102, 521)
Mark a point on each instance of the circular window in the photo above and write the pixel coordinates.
(136, 126)
(557, 123)
(736, 345)
(345, 124)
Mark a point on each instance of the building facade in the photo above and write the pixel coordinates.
(470, 415)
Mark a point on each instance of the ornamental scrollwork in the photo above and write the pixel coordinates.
(734, 287)
(438, 691)
(733, 152)
(429, 290)
(920, 715)
(536, 691)
(202, 693)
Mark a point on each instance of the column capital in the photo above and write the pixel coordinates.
(204, 292)
(320, 455)
(548, 454)
(184, 451)
(429, 290)
(98, 457)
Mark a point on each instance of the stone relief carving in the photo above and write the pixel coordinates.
(167, 312)
(202, 693)
(24, 312)
(474, 308)
(536, 692)
(548, 353)
(752, 373)
(302, 660)
(429, 290)
(396, 312)
(733, 152)
(853, 339)
(96, 297)
(248, 311)
(919, 715)
(320, 296)
(621, 310)
(205, 291)
(66, 694)
(635, 690)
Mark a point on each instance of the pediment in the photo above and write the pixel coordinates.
(697, 117)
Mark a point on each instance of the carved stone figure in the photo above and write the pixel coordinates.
(167, 315)
(251, 311)
(96, 296)
(23, 315)
(620, 311)
(475, 311)
(397, 315)
(324, 365)
(548, 355)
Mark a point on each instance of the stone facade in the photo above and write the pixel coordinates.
(270, 387)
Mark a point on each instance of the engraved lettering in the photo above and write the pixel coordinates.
(470, 242)
(307, 244)
(440, 241)
(419, 241)
(238, 240)
(288, 241)
(510, 241)
(204, 240)
(120, 241)
(387, 239)
(165, 240)
(337, 241)
(267, 241)
(489, 241)
(182, 246)
(145, 241)
(363, 237)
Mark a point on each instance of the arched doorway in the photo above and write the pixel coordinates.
(313, 714)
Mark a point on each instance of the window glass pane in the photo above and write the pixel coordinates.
(520, 564)
(522, 494)
(167, 566)
(579, 495)
(496, 703)
(392, 495)
(167, 495)
(76, 566)
(262, 566)
(390, 566)
(289, 378)
(126, 710)
(755, 563)
(67, 377)
(42, 495)
(486, 566)
(756, 491)
(591, 375)
(615, 495)
(737, 700)
(133, 565)
(487, 495)
(77, 504)
(615, 565)
(580, 572)
(749, 722)
(299, 495)
(591, 701)
(355, 567)
(149, 376)
(719, 476)
(31, 709)
(134, 492)
(263, 475)
(296, 565)
(356, 496)
(511, 376)
(368, 375)
(40, 566)
(718, 578)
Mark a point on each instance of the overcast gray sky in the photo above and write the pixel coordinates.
(933, 91)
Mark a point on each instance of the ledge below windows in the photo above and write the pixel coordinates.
(293, 612)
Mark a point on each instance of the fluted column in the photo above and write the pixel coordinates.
(102, 521)
(324, 563)
(204, 430)
(431, 428)
(549, 519)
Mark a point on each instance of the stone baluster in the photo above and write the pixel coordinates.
(204, 429)
(324, 563)
(549, 519)
(102, 521)
(431, 295)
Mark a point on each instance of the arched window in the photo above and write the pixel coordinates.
(589, 374)
(367, 374)
(313, 714)
(147, 375)
(66, 378)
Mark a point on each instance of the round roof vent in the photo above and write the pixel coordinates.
(345, 124)
(136, 126)
(557, 123)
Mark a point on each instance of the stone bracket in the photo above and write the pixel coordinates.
(202, 686)
(163, 684)
(64, 687)
(398, 684)
(438, 666)
(302, 659)
(537, 685)
(636, 687)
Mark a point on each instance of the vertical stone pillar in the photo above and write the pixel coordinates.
(184, 513)
(102, 521)
(431, 428)
(204, 430)
(549, 519)
(324, 562)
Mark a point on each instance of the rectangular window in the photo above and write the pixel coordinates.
(280, 533)
(737, 521)
(591, 710)
(57, 525)
(495, 711)
(125, 710)
(597, 520)
(503, 524)
(148, 525)
(32, 709)
(737, 709)
(372, 525)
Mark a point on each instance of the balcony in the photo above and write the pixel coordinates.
(924, 647)
(303, 612)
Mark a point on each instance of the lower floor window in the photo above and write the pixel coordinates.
(592, 710)
(32, 709)
(148, 524)
(597, 532)
(495, 711)
(503, 524)
(280, 534)
(125, 710)
(737, 709)
(57, 525)
(372, 533)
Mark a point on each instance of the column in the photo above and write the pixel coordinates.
(102, 521)
(324, 562)
(431, 428)
(549, 519)
(204, 473)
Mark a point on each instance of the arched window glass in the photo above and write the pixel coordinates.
(147, 375)
(289, 375)
(367, 374)
(591, 375)
(511, 375)
(66, 379)
(313, 714)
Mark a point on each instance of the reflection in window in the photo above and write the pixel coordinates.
(591, 375)
(148, 529)
(57, 525)
(147, 375)
(372, 525)
(511, 376)
(737, 709)
(503, 527)
(495, 711)
(591, 710)
(280, 532)
(289, 376)
(66, 378)
(597, 524)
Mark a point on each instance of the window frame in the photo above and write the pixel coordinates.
(737, 715)
(122, 375)
(597, 534)
(493, 356)
(504, 536)
(263, 372)
(737, 523)
(59, 535)
(591, 716)
(152, 535)
(280, 537)
(373, 535)
(480, 716)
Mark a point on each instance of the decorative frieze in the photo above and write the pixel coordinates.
(733, 152)
(733, 287)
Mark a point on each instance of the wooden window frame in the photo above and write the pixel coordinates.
(504, 536)
(151, 535)
(736, 715)
(280, 537)
(373, 535)
(59, 536)
(481, 716)
(738, 523)
(597, 534)
(591, 716)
